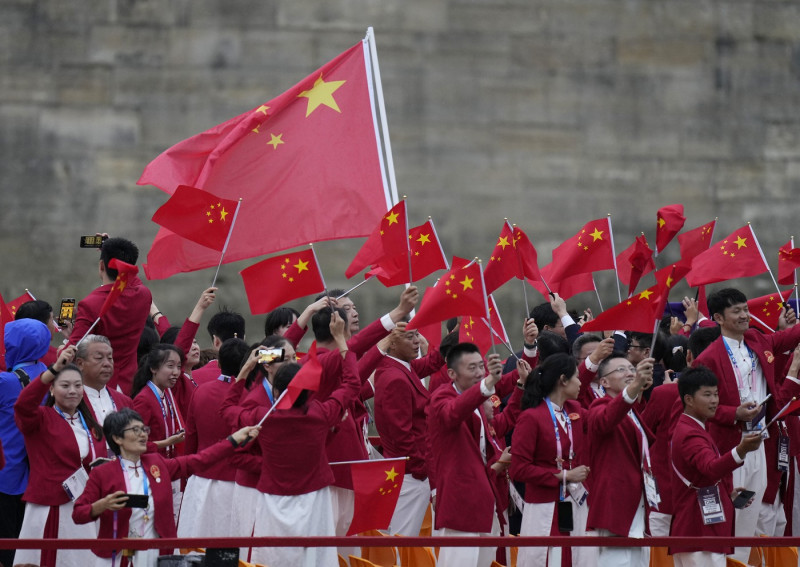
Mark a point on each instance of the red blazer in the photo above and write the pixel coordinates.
(293, 440)
(400, 402)
(206, 373)
(107, 478)
(122, 325)
(147, 405)
(206, 427)
(695, 455)
(615, 458)
(586, 395)
(240, 408)
(658, 417)
(724, 428)
(501, 424)
(53, 451)
(465, 499)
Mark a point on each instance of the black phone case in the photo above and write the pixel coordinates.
(565, 523)
(136, 501)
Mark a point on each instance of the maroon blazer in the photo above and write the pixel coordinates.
(240, 408)
(695, 455)
(206, 373)
(206, 427)
(107, 478)
(122, 325)
(501, 424)
(400, 402)
(658, 417)
(586, 395)
(615, 458)
(53, 451)
(724, 428)
(120, 401)
(147, 405)
(465, 499)
(534, 451)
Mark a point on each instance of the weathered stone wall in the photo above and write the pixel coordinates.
(548, 112)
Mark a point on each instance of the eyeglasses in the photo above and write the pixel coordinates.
(138, 430)
(629, 368)
(642, 347)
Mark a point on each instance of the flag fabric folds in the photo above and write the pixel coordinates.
(766, 310)
(377, 486)
(788, 262)
(566, 288)
(388, 240)
(309, 153)
(459, 291)
(427, 257)
(277, 280)
(736, 256)
(15, 304)
(669, 222)
(640, 312)
(696, 241)
(590, 250)
(307, 378)
(198, 216)
(475, 329)
(124, 271)
(634, 262)
(513, 257)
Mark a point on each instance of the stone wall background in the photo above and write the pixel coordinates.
(548, 112)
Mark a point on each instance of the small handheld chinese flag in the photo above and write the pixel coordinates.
(427, 256)
(15, 304)
(590, 250)
(788, 262)
(765, 311)
(377, 486)
(307, 378)
(736, 256)
(669, 222)
(459, 292)
(389, 239)
(272, 282)
(637, 313)
(124, 271)
(696, 241)
(634, 262)
(197, 215)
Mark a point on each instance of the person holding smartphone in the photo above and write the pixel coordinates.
(132, 495)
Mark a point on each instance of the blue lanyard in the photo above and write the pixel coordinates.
(83, 423)
(559, 458)
(145, 483)
(736, 370)
(268, 388)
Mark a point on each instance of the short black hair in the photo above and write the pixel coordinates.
(693, 379)
(321, 321)
(279, 317)
(601, 368)
(584, 339)
(550, 343)
(115, 424)
(226, 325)
(284, 376)
(726, 297)
(455, 353)
(121, 249)
(230, 356)
(543, 314)
(702, 338)
(37, 309)
(170, 335)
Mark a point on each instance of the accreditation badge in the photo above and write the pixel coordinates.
(710, 505)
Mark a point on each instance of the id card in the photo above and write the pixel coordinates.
(76, 483)
(710, 505)
(651, 490)
(578, 492)
(755, 423)
(783, 453)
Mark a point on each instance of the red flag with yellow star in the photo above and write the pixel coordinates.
(15, 304)
(696, 241)
(513, 257)
(634, 262)
(198, 216)
(669, 222)
(277, 280)
(566, 288)
(307, 378)
(427, 256)
(475, 330)
(124, 271)
(788, 262)
(766, 310)
(310, 153)
(377, 486)
(588, 251)
(640, 312)
(389, 240)
(737, 256)
(459, 292)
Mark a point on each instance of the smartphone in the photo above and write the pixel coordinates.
(92, 241)
(137, 501)
(67, 311)
(743, 498)
(267, 356)
(98, 461)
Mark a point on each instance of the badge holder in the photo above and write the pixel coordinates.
(710, 505)
(651, 490)
(76, 483)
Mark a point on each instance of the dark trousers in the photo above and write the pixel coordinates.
(10, 523)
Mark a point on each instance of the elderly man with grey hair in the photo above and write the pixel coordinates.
(95, 358)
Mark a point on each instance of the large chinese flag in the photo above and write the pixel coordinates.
(272, 282)
(788, 262)
(198, 216)
(306, 165)
(388, 240)
(427, 256)
(459, 292)
(766, 310)
(634, 262)
(377, 486)
(588, 251)
(669, 222)
(696, 241)
(124, 271)
(736, 256)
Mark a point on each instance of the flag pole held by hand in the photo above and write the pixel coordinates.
(227, 240)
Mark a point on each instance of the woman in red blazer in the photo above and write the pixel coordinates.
(62, 438)
(547, 449)
(138, 472)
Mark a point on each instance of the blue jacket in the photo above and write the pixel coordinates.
(26, 341)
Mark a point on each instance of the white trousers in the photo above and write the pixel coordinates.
(343, 506)
(536, 521)
(415, 495)
(468, 556)
(752, 475)
(628, 556)
(699, 559)
(771, 518)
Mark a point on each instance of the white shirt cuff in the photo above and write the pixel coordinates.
(625, 395)
(486, 392)
(567, 320)
(700, 319)
(793, 379)
(591, 366)
(387, 323)
(530, 352)
(736, 456)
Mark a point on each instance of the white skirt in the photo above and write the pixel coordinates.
(289, 516)
(207, 508)
(33, 528)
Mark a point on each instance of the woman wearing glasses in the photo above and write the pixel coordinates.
(110, 494)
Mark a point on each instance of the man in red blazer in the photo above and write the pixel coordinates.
(222, 326)
(461, 445)
(124, 322)
(400, 402)
(95, 357)
(697, 466)
(743, 360)
(619, 458)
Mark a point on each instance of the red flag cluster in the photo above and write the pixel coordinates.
(425, 255)
(459, 292)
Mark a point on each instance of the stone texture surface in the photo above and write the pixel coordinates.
(548, 112)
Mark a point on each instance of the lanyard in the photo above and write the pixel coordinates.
(189, 376)
(145, 485)
(167, 405)
(737, 372)
(85, 428)
(645, 445)
(268, 390)
(559, 458)
(683, 478)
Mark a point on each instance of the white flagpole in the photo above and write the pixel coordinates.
(227, 240)
(316, 261)
(613, 255)
(763, 258)
(796, 298)
(390, 202)
(439, 244)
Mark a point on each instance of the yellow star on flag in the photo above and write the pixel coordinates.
(423, 239)
(646, 294)
(503, 242)
(661, 222)
(321, 93)
(597, 235)
(262, 109)
(275, 141)
(121, 285)
(392, 218)
(223, 214)
(301, 266)
(391, 474)
(467, 283)
(740, 242)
